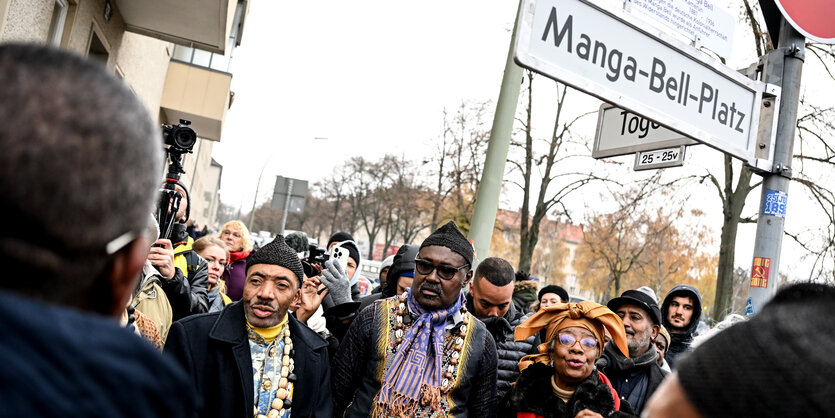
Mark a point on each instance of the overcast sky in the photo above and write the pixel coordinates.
(373, 77)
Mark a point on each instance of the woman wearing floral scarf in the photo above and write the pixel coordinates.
(562, 381)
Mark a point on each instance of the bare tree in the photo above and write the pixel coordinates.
(539, 173)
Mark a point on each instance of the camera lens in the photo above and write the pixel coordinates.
(184, 138)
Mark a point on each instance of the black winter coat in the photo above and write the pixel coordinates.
(187, 292)
(509, 351)
(214, 349)
(533, 393)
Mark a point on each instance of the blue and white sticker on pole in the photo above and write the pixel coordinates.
(774, 203)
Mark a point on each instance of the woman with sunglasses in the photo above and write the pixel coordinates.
(562, 381)
(215, 252)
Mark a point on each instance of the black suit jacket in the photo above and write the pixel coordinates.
(214, 349)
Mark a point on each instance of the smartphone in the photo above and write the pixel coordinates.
(341, 254)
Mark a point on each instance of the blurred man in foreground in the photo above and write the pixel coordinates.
(79, 172)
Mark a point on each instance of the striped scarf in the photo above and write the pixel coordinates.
(414, 377)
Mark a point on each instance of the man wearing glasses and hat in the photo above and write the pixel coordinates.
(421, 353)
(637, 377)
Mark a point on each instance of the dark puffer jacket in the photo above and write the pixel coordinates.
(533, 393)
(508, 350)
(681, 340)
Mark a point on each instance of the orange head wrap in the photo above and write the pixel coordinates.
(589, 315)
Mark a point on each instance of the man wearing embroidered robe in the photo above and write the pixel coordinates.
(252, 358)
(420, 354)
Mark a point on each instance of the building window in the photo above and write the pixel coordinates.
(97, 50)
(56, 25)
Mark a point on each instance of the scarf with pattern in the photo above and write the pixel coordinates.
(414, 377)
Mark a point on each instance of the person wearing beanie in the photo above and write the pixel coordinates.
(384, 269)
(400, 275)
(661, 344)
(681, 311)
(338, 237)
(551, 295)
(257, 338)
(342, 302)
(410, 354)
(777, 364)
(560, 380)
(524, 292)
(635, 375)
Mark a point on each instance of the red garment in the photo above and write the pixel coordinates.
(237, 255)
(605, 380)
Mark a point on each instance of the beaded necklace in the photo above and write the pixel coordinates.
(282, 402)
(452, 348)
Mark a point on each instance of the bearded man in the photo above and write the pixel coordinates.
(635, 377)
(421, 353)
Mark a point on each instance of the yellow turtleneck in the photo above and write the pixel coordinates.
(270, 333)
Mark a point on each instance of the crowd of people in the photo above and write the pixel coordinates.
(103, 317)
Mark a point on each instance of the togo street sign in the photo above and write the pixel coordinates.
(621, 132)
(597, 50)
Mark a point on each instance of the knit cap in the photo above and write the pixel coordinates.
(277, 253)
(451, 237)
(778, 364)
(557, 290)
(339, 237)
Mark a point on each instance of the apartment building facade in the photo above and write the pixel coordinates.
(175, 55)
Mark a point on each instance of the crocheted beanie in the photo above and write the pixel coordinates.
(279, 254)
(451, 237)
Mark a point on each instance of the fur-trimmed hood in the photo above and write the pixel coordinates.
(523, 285)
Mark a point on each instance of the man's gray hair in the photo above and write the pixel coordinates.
(80, 166)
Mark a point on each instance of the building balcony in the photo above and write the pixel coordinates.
(204, 24)
(197, 93)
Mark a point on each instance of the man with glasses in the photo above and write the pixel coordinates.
(79, 174)
(420, 353)
(636, 377)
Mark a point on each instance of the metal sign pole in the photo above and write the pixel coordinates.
(286, 205)
(487, 196)
(772, 210)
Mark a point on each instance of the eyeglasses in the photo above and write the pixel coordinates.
(445, 271)
(569, 340)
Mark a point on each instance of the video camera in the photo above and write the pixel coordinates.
(317, 257)
(179, 140)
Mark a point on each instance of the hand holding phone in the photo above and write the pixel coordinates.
(341, 254)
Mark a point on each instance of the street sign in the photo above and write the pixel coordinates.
(621, 132)
(298, 194)
(812, 18)
(701, 21)
(662, 158)
(597, 50)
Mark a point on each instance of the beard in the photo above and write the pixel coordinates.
(638, 342)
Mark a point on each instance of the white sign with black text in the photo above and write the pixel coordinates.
(660, 78)
(621, 132)
(700, 21)
(662, 158)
